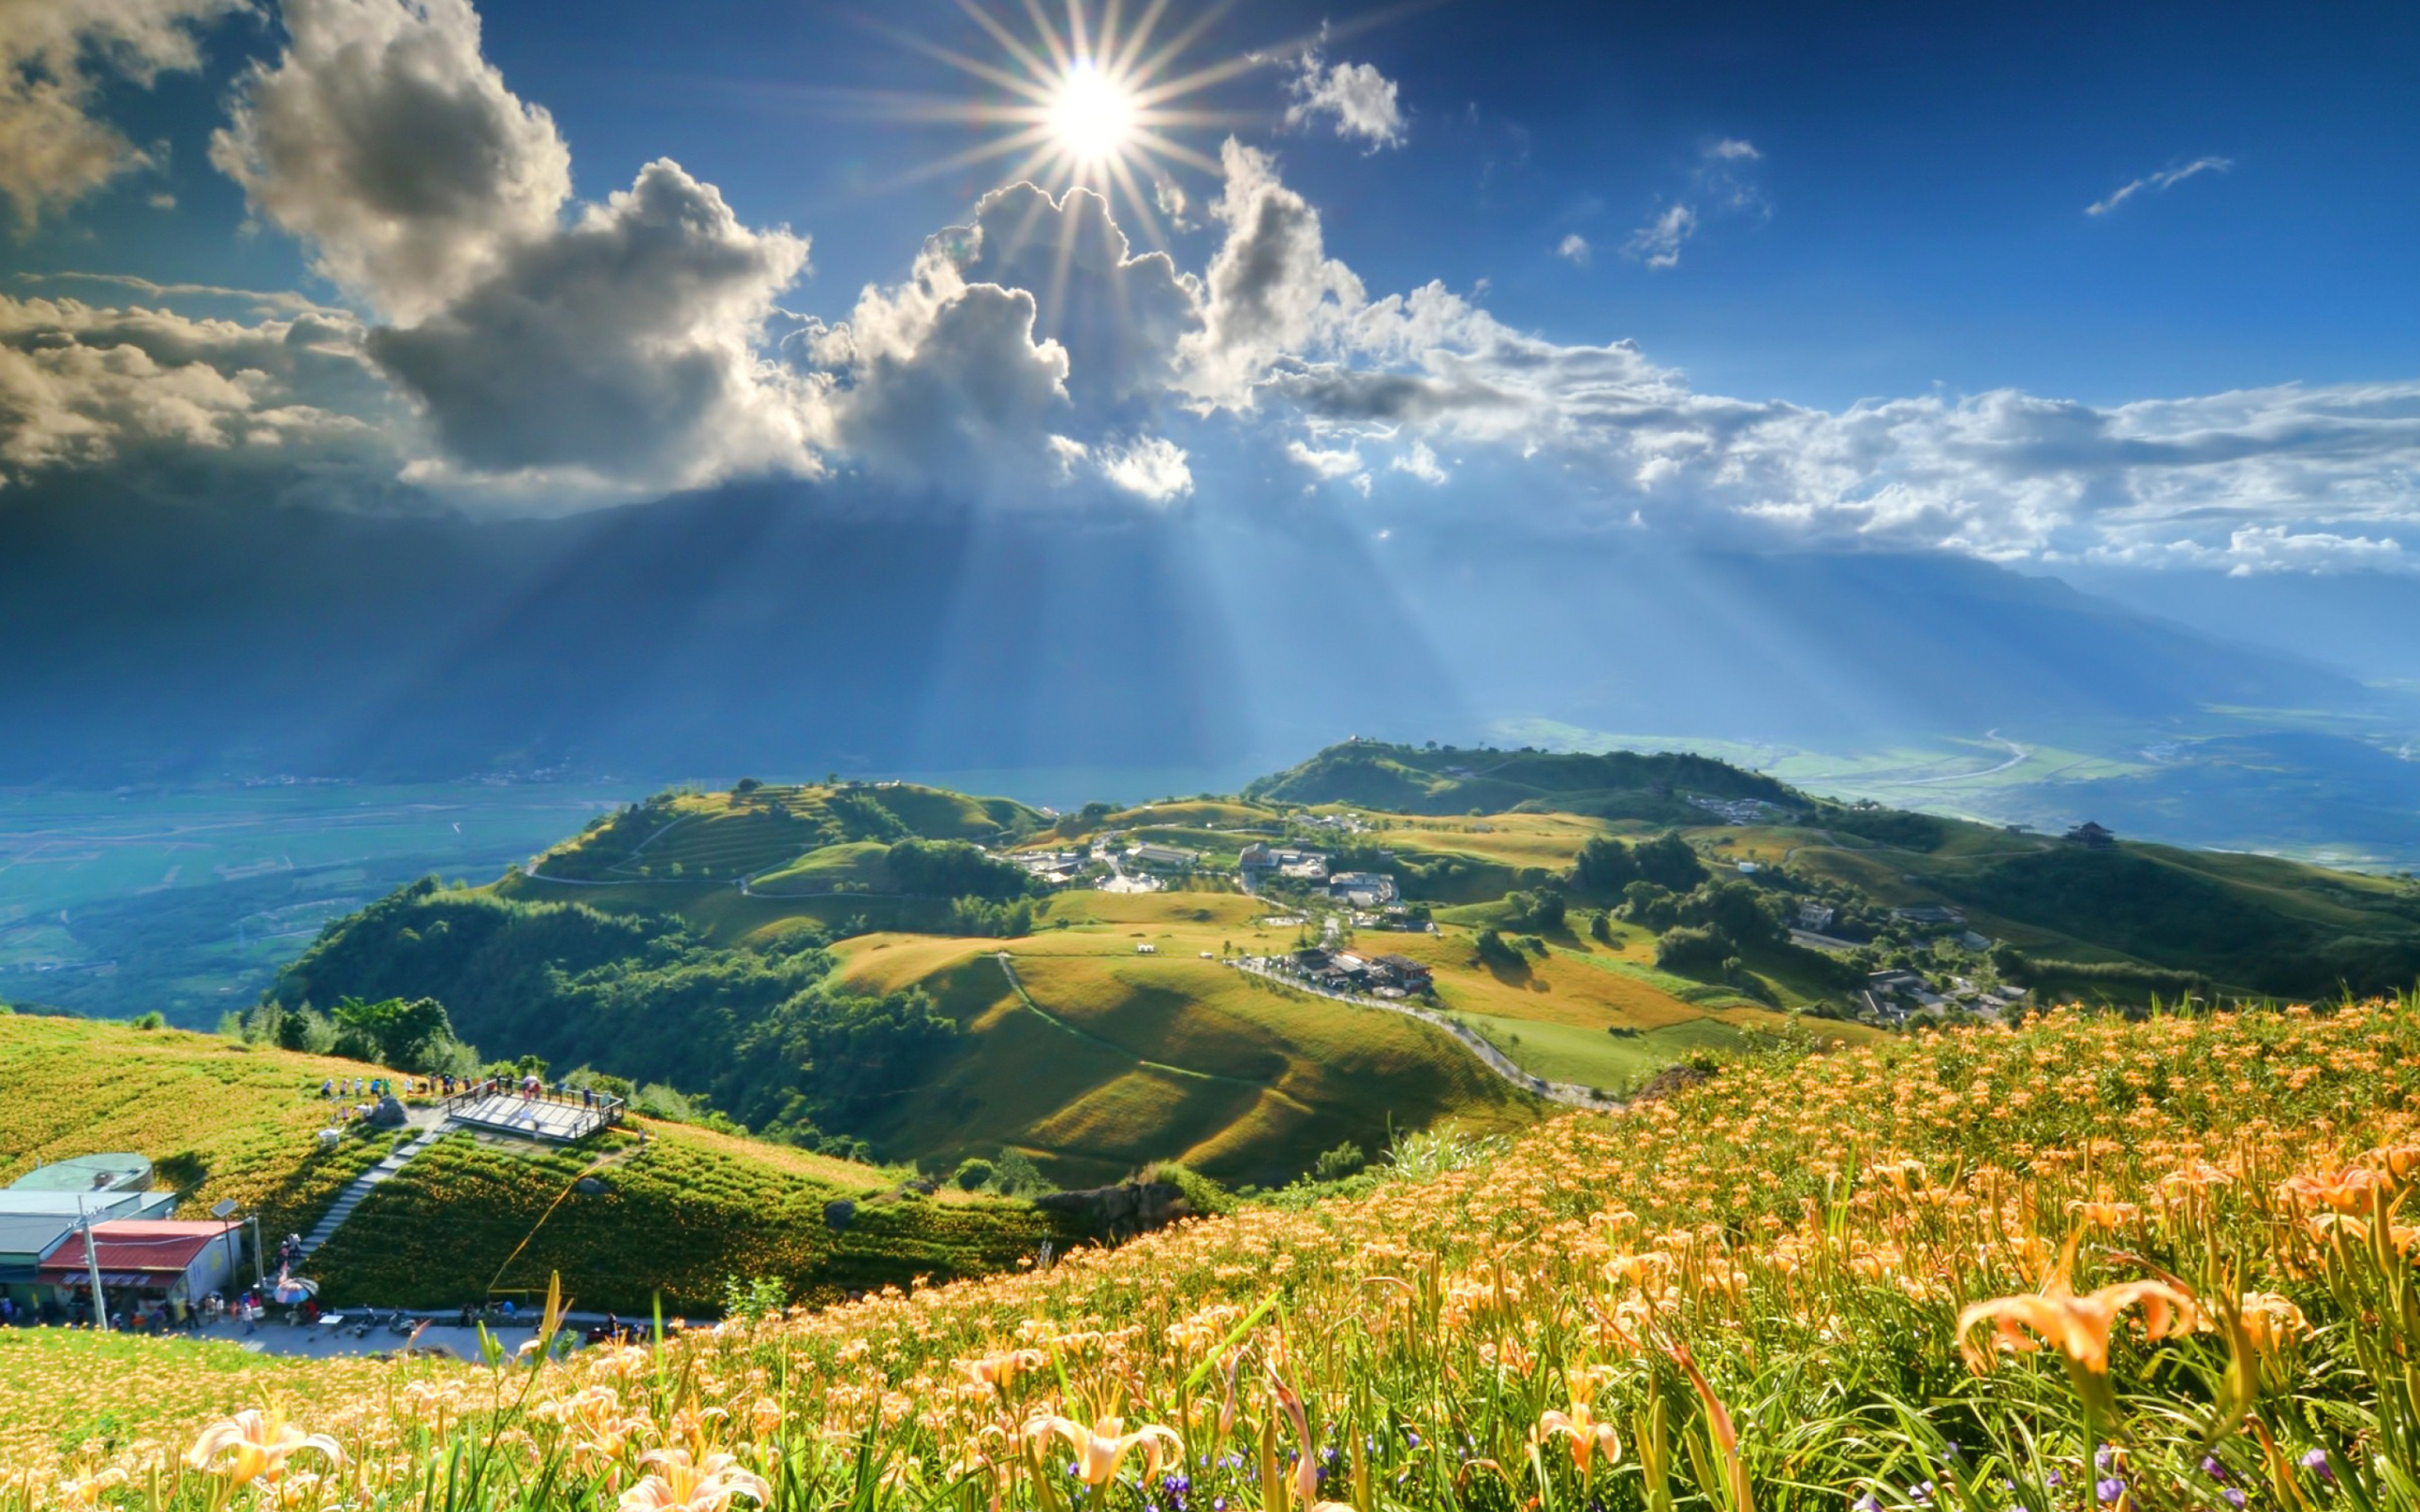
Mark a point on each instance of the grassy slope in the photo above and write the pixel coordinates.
(2229, 916)
(225, 1120)
(680, 1212)
(1808, 1231)
(1122, 1058)
(219, 1119)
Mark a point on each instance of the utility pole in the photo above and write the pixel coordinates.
(260, 1276)
(93, 1268)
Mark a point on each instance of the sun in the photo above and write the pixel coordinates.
(1092, 116)
(1084, 99)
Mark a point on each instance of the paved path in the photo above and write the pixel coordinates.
(368, 1182)
(1495, 1060)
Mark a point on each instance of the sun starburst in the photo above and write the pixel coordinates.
(1086, 100)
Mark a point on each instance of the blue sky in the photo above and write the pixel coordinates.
(1886, 204)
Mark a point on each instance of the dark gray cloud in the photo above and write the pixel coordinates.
(623, 346)
(385, 142)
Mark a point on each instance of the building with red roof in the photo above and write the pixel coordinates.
(152, 1259)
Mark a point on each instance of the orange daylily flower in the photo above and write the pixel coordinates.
(2078, 1326)
(1000, 1371)
(260, 1443)
(1101, 1447)
(679, 1483)
(2270, 1321)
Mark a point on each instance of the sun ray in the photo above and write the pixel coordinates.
(984, 152)
(1060, 57)
(1186, 38)
(1007, 39)
(1123, 63)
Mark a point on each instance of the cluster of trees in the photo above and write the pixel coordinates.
(409, 1034)
(991, 918)
(1539, 912)
(760, 1035)
(953, 869)
(1606, 867)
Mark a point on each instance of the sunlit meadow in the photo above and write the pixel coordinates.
(2084, 1263)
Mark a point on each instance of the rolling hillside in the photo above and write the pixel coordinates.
(1616, 785)
(823, 964)
(478, 1215)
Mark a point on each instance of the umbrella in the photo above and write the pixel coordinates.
(292, 1288)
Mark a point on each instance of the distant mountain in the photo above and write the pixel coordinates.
(1615, 785)
(794, 630)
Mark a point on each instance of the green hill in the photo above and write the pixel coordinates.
(811, 968)
(677, 1212)
(1444, 780)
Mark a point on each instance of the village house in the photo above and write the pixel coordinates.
(2091, 837)
(1163, 858)
(1363, 889)
(1402, 972)
(1816, 917)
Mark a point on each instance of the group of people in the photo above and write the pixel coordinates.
(371, 1087)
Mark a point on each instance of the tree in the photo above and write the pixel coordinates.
(1668, 862)
(1694, 950)
(394, 1031)
(1335, 1164)
(1604, 867)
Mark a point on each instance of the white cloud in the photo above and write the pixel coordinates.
(1361, 101)
(1658, 243)
(55, 56)
(1421, 463)
(1576, 249)
(1271, 290)
(386, 143)
(1118, 315)
(1150, 467)
(147, 391)
(1733, 149)
(939, 383)
(1325, 464)
(2156, 182)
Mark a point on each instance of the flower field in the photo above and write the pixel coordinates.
(2082, 1264)
(218, 1118)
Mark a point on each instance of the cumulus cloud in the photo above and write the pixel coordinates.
(389, 146)
(939, 383)
(614, 351)
(623, 346)
(1148, 467)
(1119, 317)
(147, 391)
(2156, 182)
(1362, 102)
(1575, 248)
(1271, 290)
(55, 56)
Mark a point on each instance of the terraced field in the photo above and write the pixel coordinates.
(1108, 1059)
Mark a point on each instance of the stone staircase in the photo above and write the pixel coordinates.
(362, 1185)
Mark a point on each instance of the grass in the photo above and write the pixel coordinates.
(216, 1118)
(470, 1219)
(220, 1119)
(1117, 1060)
(1761, 1282)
